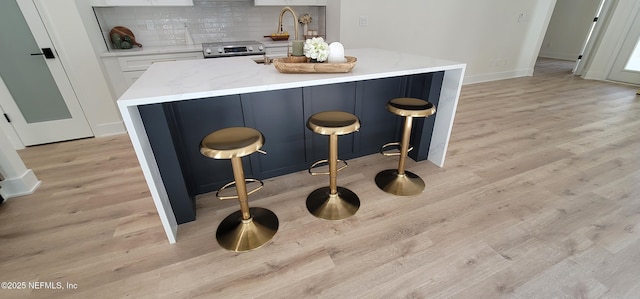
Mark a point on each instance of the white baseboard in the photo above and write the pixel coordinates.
(557, 55)
(24, 185)
(594, 76)
(497, 76)
(109, 129)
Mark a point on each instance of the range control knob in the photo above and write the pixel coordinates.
(207, 50)
(220, 50)
(250, 48)
(261, 48)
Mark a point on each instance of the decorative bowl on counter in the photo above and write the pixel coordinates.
(123, 38)
(287, 66)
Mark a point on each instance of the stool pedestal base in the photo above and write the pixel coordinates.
(322, 204)
(408, 184)
(238, 235)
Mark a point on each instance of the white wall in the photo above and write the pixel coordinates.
(496, 38)
(70, 36)
(5, 127)
(568, 28)
(333, 20)
(91, 27)
(18, 179)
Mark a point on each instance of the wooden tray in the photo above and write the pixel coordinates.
(283, 66)
(278, 37)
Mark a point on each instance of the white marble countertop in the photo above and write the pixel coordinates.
(193, 79)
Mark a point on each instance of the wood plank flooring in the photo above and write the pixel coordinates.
(539, 198)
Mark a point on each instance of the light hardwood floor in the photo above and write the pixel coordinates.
(539, 198)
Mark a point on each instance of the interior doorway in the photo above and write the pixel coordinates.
(38, 100)
(571, 30)
(588, 41)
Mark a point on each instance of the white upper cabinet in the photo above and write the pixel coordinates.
(290, 2)
(141, 3)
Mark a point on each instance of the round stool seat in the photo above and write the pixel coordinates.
(333, 122)
(231, 142)
(411, 107)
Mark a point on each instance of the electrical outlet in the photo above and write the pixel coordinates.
(363, 21)
(149, 24)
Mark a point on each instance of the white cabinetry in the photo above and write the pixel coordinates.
(100, 3)
(125, 70)
(290, 2)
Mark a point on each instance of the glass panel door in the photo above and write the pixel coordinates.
(27, 76)
(41, 104)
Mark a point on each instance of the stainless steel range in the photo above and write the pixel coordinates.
(231, 49)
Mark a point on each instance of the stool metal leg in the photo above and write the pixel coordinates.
(333, 202)
(333, 163)
(404, 145)
(399, 181)
(248, 228)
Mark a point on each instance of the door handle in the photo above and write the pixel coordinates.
(47, 52)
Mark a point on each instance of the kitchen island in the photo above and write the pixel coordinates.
(173, 105)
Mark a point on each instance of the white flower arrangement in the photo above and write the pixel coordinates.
(316, 48)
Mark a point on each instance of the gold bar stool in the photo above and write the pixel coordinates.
(333, 202)
(248, 228)
(399, 181)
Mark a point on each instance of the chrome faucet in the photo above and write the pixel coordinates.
(295, 20)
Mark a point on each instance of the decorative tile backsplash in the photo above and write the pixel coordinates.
(208, 21)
